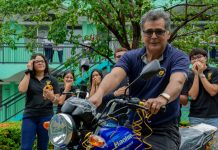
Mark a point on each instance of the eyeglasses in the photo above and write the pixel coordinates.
(158, 32)
(197, 57)
(39, 61)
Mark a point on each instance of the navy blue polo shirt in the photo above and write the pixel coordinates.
(173, 61)
(35, 103)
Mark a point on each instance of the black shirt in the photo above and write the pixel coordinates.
(36, 105)
(73, 89)
(205, 106)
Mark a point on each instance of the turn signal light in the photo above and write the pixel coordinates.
(96, 141)
(46, 125)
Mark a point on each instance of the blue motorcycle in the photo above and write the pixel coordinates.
(79, 126)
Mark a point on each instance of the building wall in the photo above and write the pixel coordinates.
(13, 61)
(9, 89)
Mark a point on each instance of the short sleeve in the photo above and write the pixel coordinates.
(180, 63)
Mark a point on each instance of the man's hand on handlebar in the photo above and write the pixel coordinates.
(155, 104)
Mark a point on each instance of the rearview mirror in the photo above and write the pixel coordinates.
(150, 69)
(147, 72)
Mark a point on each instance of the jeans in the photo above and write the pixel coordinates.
(32, 126)
(210, 121)
(165, 136)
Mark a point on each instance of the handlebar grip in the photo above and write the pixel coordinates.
(141, 103)
(136, 103)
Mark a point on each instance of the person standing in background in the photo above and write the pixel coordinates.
(202, 87)
(42, 91)
(84, 65)
(69, 78)
(48, 50)
(119, 91)
(95, 80)
(59, 49)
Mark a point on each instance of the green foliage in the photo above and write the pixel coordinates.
(193, 22)
(10, 136)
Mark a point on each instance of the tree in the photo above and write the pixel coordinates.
(193, 21)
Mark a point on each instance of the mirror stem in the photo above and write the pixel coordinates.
(130, 85)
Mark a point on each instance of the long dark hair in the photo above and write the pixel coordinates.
(99, 72)
(46, 71)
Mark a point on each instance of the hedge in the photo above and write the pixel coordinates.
(10, 136)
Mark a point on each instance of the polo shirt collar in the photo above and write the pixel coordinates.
(144, 59)
(45, 76)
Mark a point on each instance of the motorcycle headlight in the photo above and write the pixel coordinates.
(61, 130)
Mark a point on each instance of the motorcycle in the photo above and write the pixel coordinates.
(80, 127)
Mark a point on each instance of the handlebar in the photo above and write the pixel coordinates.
(68, 93)
(136, 103)
(132, 103)
(79, 93)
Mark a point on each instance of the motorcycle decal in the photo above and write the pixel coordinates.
(120, 138)
(123, 140)
(162, 72)
(137, 125)
(209, 76)
(85, 142)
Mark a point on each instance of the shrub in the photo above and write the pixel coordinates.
(10, 136)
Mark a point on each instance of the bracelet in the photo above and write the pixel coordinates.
(165, 96)
(28, 71)
(189, 98)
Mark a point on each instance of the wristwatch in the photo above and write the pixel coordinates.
(165, 96)
(28, 71)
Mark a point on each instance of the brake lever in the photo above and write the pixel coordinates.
(140, 103)
(67, 93)
(137, 106)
